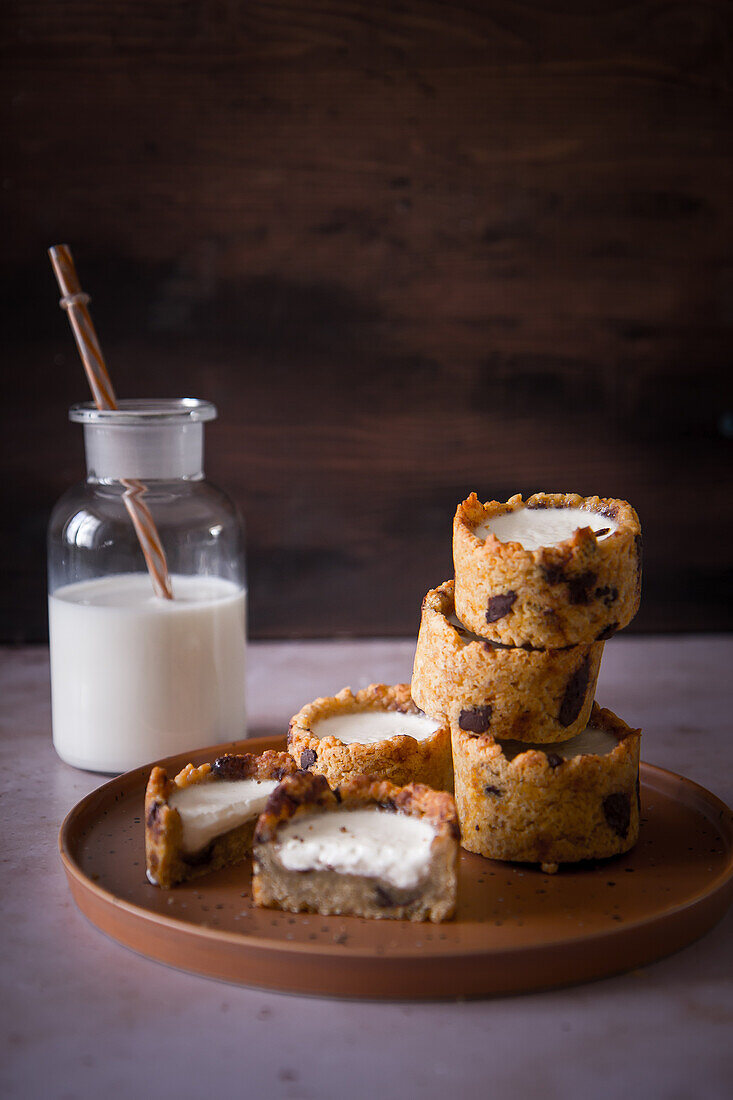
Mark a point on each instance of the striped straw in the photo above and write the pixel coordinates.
(74, 301)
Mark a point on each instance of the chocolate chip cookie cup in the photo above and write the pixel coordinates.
(378, 731)
(549, 804)
(551, 571)
(368, 849)
(510, 692)
(205, 817)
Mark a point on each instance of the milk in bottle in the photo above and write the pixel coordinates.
(134, 676)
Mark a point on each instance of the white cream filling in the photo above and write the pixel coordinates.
(591, 742)
(533, 528)
(377, 843)
(209, 809)
(368, 727)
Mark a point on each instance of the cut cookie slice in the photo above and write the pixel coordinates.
(204, 818)
(551, 571)
(550, 804)
(367, 849)
(379, 732)
(484, 687)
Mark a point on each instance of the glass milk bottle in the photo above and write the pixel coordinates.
(134, 676)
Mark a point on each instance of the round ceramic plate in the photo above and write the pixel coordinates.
(516, 929)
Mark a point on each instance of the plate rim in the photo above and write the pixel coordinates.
(718, 813)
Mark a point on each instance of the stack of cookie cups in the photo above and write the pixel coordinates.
(509, 654)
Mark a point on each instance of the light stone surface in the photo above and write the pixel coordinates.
(81, 1016)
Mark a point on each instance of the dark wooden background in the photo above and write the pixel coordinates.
(410, 249)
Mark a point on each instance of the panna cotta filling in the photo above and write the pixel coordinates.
(533, 528)
(368, 727)
(209, 809)
(376, 843)
(591, 742)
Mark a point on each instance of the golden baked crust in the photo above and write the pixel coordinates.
(304, 793)
(580, 591)
(331, 892)
(540, 808)
(401, 759)
(165, 859)
(507, 691)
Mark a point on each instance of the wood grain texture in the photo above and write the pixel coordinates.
(409, 249)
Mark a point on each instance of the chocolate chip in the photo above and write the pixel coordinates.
(317, 787)
(602, 531)
(499, 606)
(232, 766)
(475, 719)
(280, 803)
(389, 804)
(553, 574)
(609, 595)
(579, 587)
(152, 817)
(382, 898)
(610, 513)
(198, 859)
(496, 791)
(617, 812)
(337, 795)
(554, 760)
(607, 632)
(574, 697)
(308, 758)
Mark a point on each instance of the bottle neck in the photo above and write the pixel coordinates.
(144, 452)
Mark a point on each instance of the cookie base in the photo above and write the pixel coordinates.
(509, 692)
(539, 808)
(166, 862)
(400, 760)
(579, 591)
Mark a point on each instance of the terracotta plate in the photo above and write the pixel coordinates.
(516, 929)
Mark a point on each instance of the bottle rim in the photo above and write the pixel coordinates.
(137, 411)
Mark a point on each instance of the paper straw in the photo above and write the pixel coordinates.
(74, 301)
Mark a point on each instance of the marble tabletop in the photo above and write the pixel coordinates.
(82, 1016)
